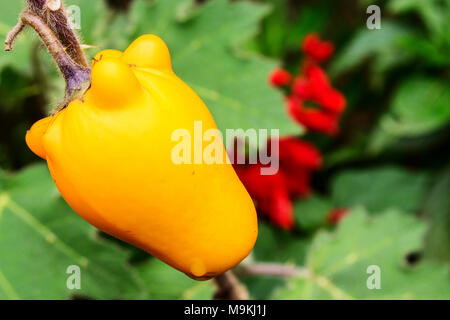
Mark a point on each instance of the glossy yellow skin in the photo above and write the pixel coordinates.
(110, 156)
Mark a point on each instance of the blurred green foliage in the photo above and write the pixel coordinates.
(389, 164)
(338, 262)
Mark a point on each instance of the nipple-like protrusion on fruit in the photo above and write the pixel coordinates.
(113, 84)
(148, 51)
(198, 269)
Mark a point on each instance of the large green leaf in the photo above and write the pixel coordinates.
(384, 45)
(204, 42)
(379, 189)
(420, 106)
(338, 262)
(40, 237)
(396, 43)
(434, 13)
(437, 211)
(283, 30)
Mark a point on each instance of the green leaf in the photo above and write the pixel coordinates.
(165, 283)
(420, 106)
(311, 213)
(434, 13)
(262, 287)
(205, 46)
(278, 245)
(379, 189)
(338, 262)
(102, 27)
(384, 45)
(41, 237)
(437, 211)
(281, 31)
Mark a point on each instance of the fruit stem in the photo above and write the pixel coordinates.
(272, 269)
(49, 19)
(12, 34)
(229, 287)
(53, 13)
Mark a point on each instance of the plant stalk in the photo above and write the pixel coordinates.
(272, 269)
(49, 19)
(53, 13)
(229, 287)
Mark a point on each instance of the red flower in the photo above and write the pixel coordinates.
(298, 182)
(332, 100)
(322, 91)
(295, 153)
(269, 193)
(317, 120)
(282, 213)
(317, 106)
(302, 88)
(312, 119)
(317, 88)
(293, 103)
(297, 159)
(280, 78)
(318, 77)
(317, 49)
(336, 215)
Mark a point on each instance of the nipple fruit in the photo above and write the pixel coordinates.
(109, 154)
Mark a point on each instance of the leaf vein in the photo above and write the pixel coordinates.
(7, 287)
(48, 235)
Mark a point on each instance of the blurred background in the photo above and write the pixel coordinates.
(364, 115)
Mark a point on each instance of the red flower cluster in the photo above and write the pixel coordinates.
(312, 102)
(271, 193)
(317, 49)
(280, 77)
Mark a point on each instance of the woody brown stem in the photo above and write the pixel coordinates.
(12, 35)
(48, 18)
(272, 269)
(77, 77)
(53, 13)
(229, 287)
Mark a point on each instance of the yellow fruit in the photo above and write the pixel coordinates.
(110, 156)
